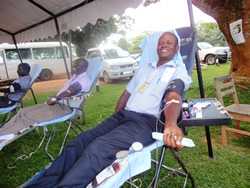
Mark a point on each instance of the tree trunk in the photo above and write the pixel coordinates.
(225, 12)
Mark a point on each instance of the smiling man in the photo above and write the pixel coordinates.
(135, 119)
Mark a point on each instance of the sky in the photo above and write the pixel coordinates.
(166, 14)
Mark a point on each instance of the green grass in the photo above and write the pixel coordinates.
(229, 168)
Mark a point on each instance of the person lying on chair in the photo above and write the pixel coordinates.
(14, 92)
(78, 82)
(27, 116)
(134, 120)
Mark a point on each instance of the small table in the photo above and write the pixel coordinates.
(213, 115)
(6, 82)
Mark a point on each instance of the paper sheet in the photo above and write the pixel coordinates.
(236, 31)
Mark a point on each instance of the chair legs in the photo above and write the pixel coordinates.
(65, 137)
(183, 173)
(224, 135)
(225, 129)
(237, 124)
(51, 135)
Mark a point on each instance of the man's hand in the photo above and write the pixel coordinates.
(51, 101)
(172, 136)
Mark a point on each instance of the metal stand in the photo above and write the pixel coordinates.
(183, 172)
(199, 74)
(33, 95)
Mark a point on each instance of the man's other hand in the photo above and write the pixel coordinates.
(172, 136)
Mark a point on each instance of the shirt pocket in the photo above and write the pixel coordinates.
(159, 89)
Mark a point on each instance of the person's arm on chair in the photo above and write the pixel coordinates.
(122, 101)
(172, 133)
(70, 91)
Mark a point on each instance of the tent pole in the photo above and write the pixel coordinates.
(3, 53)
(199, 74)
(5, 65)
(70, 50)
(53, 16)
(18, 51)
(61, 47)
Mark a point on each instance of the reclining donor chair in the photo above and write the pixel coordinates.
(71, 108)
(137, 162)
(7, 111)
(134, 162)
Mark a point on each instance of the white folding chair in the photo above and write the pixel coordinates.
(7, 111)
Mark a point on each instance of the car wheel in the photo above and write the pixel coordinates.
(222, 61)
(210, 59)
(45, 75)
(106, 78)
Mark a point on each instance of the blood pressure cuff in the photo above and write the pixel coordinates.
(177, 86)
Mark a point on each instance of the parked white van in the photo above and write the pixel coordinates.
(117, 63)
(47, 54)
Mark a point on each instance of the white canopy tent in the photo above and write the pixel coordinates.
(26, 20)
(32, 19)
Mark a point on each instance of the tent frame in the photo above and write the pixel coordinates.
(55, 16)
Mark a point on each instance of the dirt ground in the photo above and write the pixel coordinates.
(56, 84)
(48, 86)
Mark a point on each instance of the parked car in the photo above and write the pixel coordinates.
(211, 54)
(117, 63)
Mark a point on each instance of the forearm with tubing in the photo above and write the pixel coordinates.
(172, 109)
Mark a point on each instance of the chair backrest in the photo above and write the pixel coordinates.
(94, 69)
(93, 72)
(188, 47)
(35, 72)
(187, 50)
(224, 86)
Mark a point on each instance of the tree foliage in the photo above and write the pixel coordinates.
(211, 33)
(91, 35)
(124, 44)
(134, 47)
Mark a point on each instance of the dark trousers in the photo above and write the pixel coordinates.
(93, 150)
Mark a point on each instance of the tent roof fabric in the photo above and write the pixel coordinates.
(33, 19)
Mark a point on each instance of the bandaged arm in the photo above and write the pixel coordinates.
(172, 110)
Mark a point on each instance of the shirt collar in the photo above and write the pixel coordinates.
(171, 63)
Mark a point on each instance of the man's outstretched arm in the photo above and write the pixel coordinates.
(172, 133)
(121, 103)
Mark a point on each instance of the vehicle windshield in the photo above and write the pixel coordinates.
(115, 53)
(204, 45)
